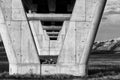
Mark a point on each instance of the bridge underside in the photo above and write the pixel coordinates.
(49, 36)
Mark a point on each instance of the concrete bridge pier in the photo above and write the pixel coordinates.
(78, 36)
(82, 29)
(25, 39)
(17, 38)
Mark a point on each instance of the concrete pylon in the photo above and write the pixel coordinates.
(17, 38)
(24, 40)
(81, 32)
(78, 36)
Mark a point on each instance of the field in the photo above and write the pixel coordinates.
(104, 67)
(100, 67)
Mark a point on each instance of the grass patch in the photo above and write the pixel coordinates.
(101, 67)
(5, 75)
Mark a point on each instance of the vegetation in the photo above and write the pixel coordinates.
(101, 67)
(104, 67)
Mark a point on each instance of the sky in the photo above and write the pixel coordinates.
(110, 24)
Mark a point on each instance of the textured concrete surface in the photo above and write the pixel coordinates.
(17, 39)
(25, 40)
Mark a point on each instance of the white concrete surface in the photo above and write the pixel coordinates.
(25, 42)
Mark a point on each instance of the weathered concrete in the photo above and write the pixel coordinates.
(17, 38)
(83, 26)
(24, 40)
(49, 17)
(44, 45)
(78, 39)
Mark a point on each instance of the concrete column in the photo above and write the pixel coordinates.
(7, 43)
(40, 36)
(18, 39)
(80, 36)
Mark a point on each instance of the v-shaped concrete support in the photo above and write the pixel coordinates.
(24, 42)
(17, 38)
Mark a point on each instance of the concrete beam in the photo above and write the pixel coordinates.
(52, 33)
(52, 27)
(53, 36)
(49, 17)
